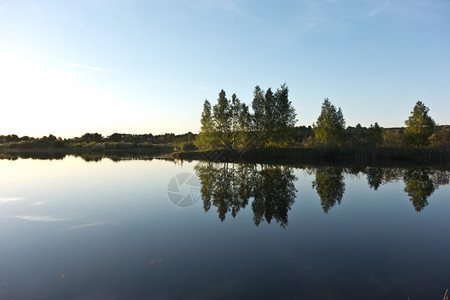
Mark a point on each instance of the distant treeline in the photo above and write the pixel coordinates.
(95, 141)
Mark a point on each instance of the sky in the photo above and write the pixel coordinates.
(146, 66)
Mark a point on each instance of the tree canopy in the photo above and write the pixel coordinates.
(330, 124)
(420, 126)
(231, 125)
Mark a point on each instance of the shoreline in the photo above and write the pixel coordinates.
(343, 155)
(295, 155)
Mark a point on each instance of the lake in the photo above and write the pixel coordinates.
(158, 229)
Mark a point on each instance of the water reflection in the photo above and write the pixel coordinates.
(86, 156)
(420, 183)
(419, 187)
(229, 187)
(274, 194)
(330, 186)
(102, 230)
(271, 189)
(375, 177)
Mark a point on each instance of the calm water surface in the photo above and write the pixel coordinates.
(154, 229)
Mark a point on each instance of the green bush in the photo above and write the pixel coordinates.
(186, 146)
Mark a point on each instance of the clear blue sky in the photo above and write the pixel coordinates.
(137, 66)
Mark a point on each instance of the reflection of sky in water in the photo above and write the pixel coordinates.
(106, 230)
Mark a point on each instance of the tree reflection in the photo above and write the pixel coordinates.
(375, 177)
(420, 183)
(330, 186)
(229, 187)
(440, 177)
(419, 186)
(274, 195)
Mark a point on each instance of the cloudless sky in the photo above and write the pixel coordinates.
(146, 66)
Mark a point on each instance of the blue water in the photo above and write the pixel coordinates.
(155, 229)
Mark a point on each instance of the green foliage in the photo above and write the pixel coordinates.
(441, 136)
(59, 144)
(243, 128)
(241, 122)
(92, 137)
(392, 138)
(258, 109)
(330, 125)
(420, 126)
(186, 146)
(274, 116)
(222, 115)
(284, 118)
(309, 142)
(259, 116)
(230, 125)
(96, 142)
(115, 137)
(237, 123)
(375, 136)
(206, 137)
